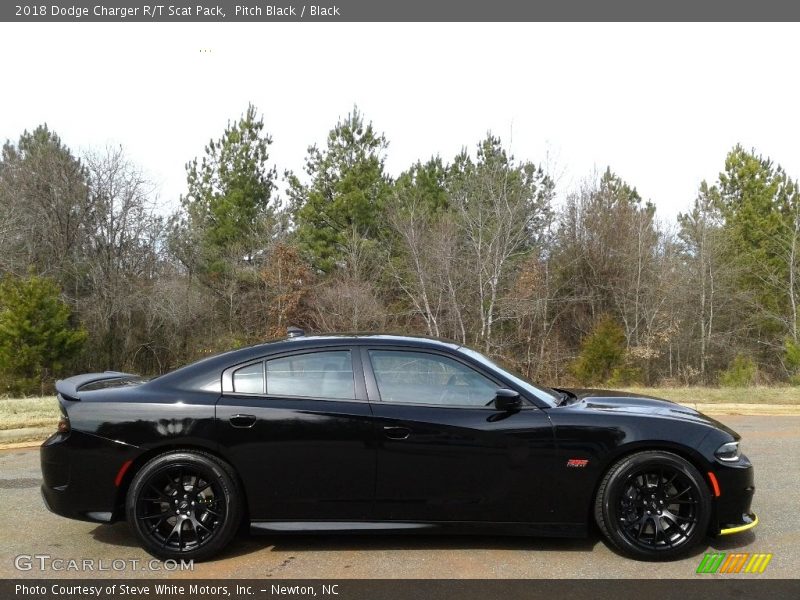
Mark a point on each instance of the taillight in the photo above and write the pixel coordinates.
(63, 424)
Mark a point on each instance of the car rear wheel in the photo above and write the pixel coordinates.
(653, 506)
(184, 505)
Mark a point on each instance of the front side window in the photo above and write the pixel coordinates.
(546, 394)
(422, 378)
(315, 374)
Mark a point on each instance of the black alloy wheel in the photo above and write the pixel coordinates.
(653, 505)
(184, 505)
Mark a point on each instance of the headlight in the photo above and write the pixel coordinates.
(728, 452)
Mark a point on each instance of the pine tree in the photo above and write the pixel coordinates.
(230, 191)
(602, 352)
(422, 187)
(761, 208)
(346, 193)
(37, 336)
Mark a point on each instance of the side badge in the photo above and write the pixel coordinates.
(577, 462)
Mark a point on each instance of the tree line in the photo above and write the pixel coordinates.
(591, 290)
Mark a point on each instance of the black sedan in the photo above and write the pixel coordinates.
(362, 433)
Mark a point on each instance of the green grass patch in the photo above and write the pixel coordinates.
(16, 413)
(708, 395)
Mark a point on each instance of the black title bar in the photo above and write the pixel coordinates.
(403, 10)
(698, 588)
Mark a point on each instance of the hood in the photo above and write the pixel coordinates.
(611, 401)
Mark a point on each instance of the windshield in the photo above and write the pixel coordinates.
(545, 394)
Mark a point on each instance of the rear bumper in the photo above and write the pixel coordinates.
(733, 513)
(79, 472)
(60, 503)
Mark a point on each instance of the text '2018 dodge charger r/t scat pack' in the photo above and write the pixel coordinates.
(357, 433)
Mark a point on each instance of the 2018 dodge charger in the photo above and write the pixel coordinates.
(356, 433)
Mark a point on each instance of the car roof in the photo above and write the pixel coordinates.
(338, 339)
(379, 338)
(224, 360)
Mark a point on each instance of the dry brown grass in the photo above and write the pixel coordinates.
(16, 413)
(709, 395)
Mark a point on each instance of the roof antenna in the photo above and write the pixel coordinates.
(294, 332)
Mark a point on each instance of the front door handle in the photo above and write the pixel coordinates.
(396, 433)
(243, 420)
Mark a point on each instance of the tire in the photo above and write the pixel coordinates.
(653, 505)
(184, 505)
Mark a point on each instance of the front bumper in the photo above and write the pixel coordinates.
(732, 506)
(749, 521)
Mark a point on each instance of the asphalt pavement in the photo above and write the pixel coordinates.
(30, 531)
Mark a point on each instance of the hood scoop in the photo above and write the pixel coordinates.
(636, 404)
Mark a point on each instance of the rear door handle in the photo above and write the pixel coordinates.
(243, 420)
(396, 433)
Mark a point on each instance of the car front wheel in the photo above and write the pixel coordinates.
(653, 505)
(184, 505)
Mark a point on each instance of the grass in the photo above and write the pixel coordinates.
(16, 413)
(709, 395)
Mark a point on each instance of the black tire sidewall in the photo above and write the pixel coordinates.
(613, 487)
(209, 466)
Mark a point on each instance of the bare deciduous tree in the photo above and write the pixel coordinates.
(123, 252)
(502, 209)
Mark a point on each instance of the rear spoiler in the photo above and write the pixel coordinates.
(70, 388)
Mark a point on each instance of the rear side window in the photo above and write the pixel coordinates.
(326, 374)
(249, 379)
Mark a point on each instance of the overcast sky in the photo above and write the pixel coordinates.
(660, 103)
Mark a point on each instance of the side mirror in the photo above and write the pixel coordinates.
(506, 399)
